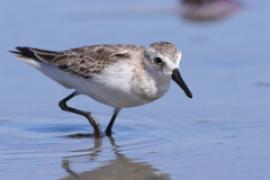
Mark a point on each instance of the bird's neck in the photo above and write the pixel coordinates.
(150, 85)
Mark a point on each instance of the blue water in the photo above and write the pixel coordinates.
(222, 133)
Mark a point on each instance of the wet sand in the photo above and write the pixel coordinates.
(223, 133)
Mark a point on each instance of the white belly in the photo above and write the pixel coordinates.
(112, 87)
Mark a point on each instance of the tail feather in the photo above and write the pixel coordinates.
(35, 54)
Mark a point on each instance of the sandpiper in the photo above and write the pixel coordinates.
(208, 10)
(116, 75)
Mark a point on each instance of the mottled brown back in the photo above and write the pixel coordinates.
(83, 61)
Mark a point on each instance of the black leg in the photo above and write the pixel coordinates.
(108, 130)
(87, 115)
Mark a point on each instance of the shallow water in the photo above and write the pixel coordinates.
(222, 133)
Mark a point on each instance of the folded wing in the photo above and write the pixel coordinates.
(84, 61)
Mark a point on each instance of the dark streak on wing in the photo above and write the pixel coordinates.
(35, 53)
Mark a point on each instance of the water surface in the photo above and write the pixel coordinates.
(222, 133)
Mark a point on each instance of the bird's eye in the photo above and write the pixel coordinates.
(158, 60)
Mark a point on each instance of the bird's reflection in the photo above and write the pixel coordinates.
(119, 168)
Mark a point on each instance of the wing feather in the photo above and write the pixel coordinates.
(83, 61)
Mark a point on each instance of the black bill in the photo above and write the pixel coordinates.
(176, 76)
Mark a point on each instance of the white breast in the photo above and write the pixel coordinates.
(150, 87)
(112, 87)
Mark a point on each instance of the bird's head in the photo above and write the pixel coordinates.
(164, 58)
